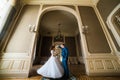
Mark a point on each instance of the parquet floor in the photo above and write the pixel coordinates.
(77, 70)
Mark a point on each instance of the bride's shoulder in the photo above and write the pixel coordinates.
(52, 51)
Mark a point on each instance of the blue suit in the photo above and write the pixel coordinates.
(65, 54)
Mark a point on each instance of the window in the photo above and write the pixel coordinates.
(4, 6)
(113, 22)
(116, 21)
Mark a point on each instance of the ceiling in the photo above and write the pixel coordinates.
(50, 20)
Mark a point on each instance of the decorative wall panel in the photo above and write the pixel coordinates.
(98, 64)
(91, 65)
(116, 64)
(14, 67)
(25, 65)
(109, 64)
(106, 66)
(5, 64)
(16, 64)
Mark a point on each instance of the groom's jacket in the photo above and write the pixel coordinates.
(65, 53)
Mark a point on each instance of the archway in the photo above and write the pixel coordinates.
(72, 40)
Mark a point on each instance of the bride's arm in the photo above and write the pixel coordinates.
(56, 53)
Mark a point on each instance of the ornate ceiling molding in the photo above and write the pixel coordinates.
(67, 2)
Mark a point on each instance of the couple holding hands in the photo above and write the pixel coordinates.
(54, 68)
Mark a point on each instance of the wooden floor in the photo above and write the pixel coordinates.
(81, 77)
(77, 70)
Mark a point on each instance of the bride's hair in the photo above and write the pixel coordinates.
(52, 47)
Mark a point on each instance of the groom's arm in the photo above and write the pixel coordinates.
(66, 52)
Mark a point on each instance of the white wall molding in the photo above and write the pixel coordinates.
(95, 2)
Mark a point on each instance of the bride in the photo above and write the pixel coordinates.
(53, 67)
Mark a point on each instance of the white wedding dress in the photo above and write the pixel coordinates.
(52, 68)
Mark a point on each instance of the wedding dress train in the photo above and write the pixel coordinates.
(52, 68)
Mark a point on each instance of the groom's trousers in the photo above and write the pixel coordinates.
(65, 66)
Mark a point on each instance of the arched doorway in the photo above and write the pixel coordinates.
(50, 17)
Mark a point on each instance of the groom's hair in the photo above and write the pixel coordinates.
(63, 44)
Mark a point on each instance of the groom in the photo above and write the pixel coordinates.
(65, 54)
